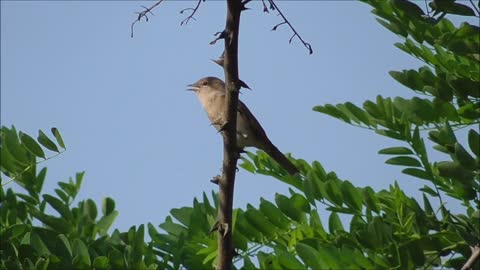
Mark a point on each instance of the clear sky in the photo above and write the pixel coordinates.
(121, 105)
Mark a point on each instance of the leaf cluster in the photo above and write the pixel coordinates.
(45, 231)
(365, 229)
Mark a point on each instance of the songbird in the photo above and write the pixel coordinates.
(211, 93)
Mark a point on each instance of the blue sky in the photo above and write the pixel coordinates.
(121, 105)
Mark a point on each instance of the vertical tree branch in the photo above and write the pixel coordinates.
(230, 151)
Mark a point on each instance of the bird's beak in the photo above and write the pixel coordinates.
(192, 87)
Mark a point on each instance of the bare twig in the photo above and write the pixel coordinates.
(473, 258)
(194, 10)
(475, 7)
(244, 3)
(219, 35)
(265, 9)
(274, 6)
(426, 8)
(29, 167)
(143, 14)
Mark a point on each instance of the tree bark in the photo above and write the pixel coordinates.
(230, 152)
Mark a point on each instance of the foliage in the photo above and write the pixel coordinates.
(387, 228)
(75, 237)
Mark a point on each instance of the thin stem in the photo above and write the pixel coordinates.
(475, 7)
(295, 33)
(194, 10)
(143, 14)
(29, 167)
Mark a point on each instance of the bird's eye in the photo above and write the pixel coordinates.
(204, 83)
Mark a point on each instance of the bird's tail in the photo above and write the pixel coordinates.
(273, 152)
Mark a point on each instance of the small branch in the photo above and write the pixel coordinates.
(244, 3)
(274, 6)
(143, 14)
(473, 258)
(194, 10)
(219, 35)
(427, 9)
(265, 9)
(29, 167)
(475, 7)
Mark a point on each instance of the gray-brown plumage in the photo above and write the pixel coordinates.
(211, 92)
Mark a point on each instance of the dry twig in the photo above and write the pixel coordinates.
(143, 14)
(194, 10)
(274, 6)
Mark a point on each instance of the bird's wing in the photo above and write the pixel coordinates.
(254, 124)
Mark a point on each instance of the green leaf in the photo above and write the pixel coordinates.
(393, 27)
(138, 246)
(465, 159)
(391, 134)
(351, 196)
(81, 258)
(62, 195)
(419, 173)
(274, 214)
(288, 260)
(332, 111)
(370, 199)
(452, 7)
(32, 145)
(258, 220)
(8, 163)
(299, 202)
(429, 190)
(58, 137)
(404, 161)
(106, 221)
(359, 113)
(10, 143)
(333, 192)
(116, 259)
(100, 262)
(45, 141)
(409, 9)
(58, 205)
(14, 231)
(108, 205)
(42, 264)
(474, 142)
(334, 223)
(310, 256)
(172, 228)
(455, 170)
(66, 244)
(396, 151)
(247, 165)
(287, 208)
(210, 257)
(79, 179)
(38, 245)
(90, 209)
(356, 224)
(427, 205)
(59, 224)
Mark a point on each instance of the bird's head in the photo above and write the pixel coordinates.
(207, 84)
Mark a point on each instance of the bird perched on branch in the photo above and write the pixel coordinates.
(211, 92)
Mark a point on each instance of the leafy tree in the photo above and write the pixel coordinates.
(387, 228)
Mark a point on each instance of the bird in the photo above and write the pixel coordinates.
(211, 93)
